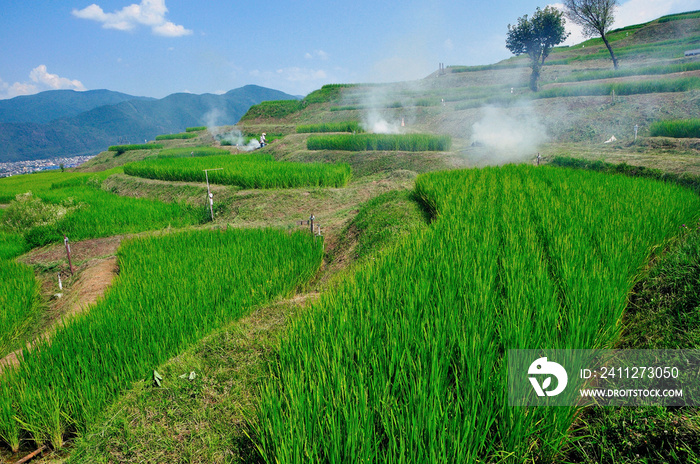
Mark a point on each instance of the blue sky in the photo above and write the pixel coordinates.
(158, 47)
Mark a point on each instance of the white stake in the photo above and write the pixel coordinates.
(210, 196)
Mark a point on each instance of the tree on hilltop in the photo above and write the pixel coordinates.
(595, 16)
(536, 37)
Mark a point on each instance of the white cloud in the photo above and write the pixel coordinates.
(449, 45)
(320, 54)
(149, 13)
(171, 30)
(295, 80)
(41, 76)
(15, 90)
(40, 80)
(296, 74)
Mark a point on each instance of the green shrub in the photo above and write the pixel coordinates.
(196, 129)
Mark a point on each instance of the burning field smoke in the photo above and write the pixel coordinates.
(508, 135)
(380, 115)
(237, 139)
(375, 123)
(231, 137)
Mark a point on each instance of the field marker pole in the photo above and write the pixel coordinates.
(70, 264)
(210, 196)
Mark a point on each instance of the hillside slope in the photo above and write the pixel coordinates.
(494, 118)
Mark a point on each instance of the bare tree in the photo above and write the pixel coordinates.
(595, 16)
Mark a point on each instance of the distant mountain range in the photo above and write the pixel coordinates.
(61, 123)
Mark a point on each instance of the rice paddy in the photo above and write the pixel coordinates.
(679, 128)
(120, 149)
(404, 360)
(345, 126)
(213, 277)
(180, 136)
(246, 171)
(183, 152)
(384, 142)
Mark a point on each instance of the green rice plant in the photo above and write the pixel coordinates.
(140, 146)
(404, 360)
(180, 136)
(39, 182)
(196, 129)
(668, 49)
(101, 214)
(488, 67)
(73, 204)
(247, 171)
(349, 108)
(12, 244)
(172, 290)
(345, 126)
(19, 300)
(677, 17)
(623, 88)
(383, 142)
(684, 179)
(678, 128)
(642, 71)
(182, 152)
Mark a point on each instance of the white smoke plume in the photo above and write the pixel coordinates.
(374, 122)
(508, 135)
(378, 117)
(234, 137)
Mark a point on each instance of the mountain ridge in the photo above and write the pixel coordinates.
(129, 120)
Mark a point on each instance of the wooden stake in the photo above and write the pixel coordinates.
(210, 197)
(70, 264)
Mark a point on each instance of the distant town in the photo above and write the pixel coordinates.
(26, 167)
